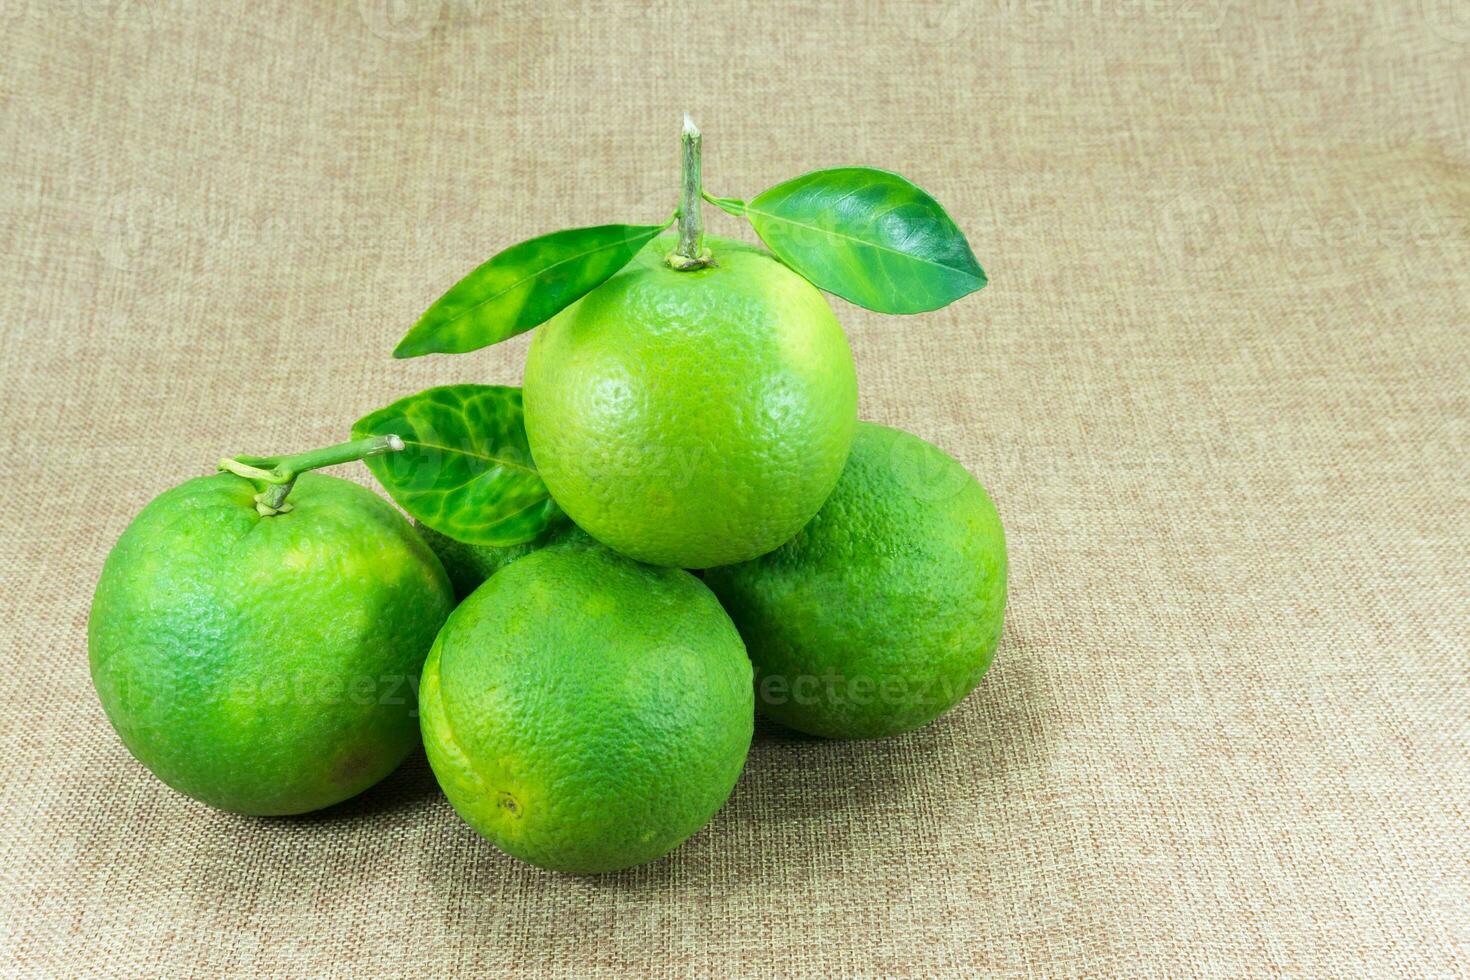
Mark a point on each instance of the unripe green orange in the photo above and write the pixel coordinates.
(692, 418)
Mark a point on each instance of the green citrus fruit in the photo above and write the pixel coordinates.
(587, 713)
(692, 418)
(884, 612)
(470, 564)
(266, 665)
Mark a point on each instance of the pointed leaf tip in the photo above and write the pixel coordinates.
(522, 286)
(869, 236)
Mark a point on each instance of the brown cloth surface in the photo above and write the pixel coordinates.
(1219, 387)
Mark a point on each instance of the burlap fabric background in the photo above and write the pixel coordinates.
(1219, 387)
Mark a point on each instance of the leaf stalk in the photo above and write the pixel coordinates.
(274, 476)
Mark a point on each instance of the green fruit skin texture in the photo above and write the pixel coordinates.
(885, 611)
(587, 713)
(692, 418)
(470, 564)
(266, 665)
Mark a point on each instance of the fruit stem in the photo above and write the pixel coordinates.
(274, 476)
(690, 253)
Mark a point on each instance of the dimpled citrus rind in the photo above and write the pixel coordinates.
(885, 611)
(586, 713)
(467, 565)
(266, 665)
(470, 564)
(692, 418)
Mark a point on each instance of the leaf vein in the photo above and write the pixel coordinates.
(474, 455)
(466, 311)
(868, 244)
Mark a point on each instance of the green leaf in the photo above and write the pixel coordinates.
(524, 285)
(732, 206)
(869, 236)
(465, 469)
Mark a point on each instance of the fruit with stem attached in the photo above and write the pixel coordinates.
(259, 652)
(688, 400)
(696, 408)
(692, 417)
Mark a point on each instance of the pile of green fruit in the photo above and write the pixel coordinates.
(272, 641)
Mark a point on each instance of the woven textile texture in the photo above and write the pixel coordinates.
(1219, 387)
